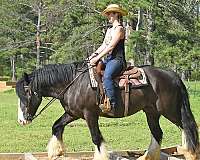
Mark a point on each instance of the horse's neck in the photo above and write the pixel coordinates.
(56, 87)
(54, 91)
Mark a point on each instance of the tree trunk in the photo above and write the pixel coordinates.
(198, 8)
(139, 19)
(13, 68)
(183, 76)
(137, 28)
(149, 60)
(38, 62)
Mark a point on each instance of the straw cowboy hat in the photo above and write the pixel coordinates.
(114, 8)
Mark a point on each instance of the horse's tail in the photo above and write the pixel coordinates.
(188, 122)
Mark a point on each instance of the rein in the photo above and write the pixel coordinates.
(61, 93)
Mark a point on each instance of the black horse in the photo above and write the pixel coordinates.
(165, 95)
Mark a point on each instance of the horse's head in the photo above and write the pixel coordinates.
(29, 100)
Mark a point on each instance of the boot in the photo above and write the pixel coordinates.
(112, 111)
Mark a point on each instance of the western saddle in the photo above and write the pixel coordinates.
(132, 77)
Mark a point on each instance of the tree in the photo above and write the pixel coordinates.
(15, 35)
(166, 31)
(38, 32)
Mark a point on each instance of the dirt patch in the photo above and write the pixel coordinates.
(3, 86)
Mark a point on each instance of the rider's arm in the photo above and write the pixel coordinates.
(118, 33)
(101, 48)
(103, 45)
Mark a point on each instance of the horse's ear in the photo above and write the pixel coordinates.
(26, 78)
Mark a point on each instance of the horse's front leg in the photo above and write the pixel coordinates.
(56, 146)
(91, 118)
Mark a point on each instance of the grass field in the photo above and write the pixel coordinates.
(120, 134)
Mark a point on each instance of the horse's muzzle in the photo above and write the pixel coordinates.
(26, 120)
(23, 122)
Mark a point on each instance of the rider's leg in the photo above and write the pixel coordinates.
(113, 68)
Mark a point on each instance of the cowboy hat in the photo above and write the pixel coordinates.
(114, 8)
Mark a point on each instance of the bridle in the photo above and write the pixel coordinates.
(29, 94)
(28, 89)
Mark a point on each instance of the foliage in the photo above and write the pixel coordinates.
(169, 32)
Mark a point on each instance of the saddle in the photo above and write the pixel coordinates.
(131, 77)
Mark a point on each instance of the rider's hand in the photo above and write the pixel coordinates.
(93, 55)
(94, 61)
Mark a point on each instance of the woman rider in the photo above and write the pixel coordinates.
(113, 48)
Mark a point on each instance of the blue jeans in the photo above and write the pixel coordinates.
(113, 68)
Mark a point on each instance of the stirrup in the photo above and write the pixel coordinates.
(105, 107)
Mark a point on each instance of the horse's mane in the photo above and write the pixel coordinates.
(53, 74)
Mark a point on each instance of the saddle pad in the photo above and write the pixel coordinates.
(135, 82)
(143, 80)
(93, 81)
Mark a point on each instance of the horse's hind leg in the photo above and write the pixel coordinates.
(56, 146)
(153, 152)
(92, 122)
(184, 148)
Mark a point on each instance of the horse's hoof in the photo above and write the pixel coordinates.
(55, 149)
(181, 150)
(144, 157)
(56, 158)
(55, 155)
(187, 154)
(103, 154)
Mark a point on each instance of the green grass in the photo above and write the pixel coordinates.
(120, 134)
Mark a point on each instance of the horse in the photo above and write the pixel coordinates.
(164, 95)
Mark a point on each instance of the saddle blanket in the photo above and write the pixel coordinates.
(93, 81)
